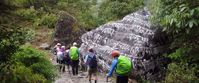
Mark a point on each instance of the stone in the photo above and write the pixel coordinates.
(67, 30)
(44, 46)
(133, 36)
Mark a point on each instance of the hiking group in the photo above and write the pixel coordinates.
(121, 65)
(68, 57)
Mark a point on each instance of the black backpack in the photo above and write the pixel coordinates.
(92, 60)
(67, 57)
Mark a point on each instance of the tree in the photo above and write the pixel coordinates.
(12, 37)
(115, 9)
(179, 18)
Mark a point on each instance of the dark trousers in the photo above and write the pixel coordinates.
(61, 65)
(75, 66)
(122, 79)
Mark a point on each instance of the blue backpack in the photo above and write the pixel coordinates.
(92, 60)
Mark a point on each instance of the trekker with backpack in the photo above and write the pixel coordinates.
(91, 61)
(74, 56)
(122, 66)
(59, 53)
(85, 64)
(61, 57)
(67, 60)
(55, 49)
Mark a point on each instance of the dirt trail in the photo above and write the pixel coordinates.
(81, 78)
(66, 77)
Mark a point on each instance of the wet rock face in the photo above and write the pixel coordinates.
(134, 37)
(66, 29)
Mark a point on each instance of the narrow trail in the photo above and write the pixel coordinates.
(66, 77)
(81, 78)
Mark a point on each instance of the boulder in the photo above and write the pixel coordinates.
(133, 36)
(66, 29)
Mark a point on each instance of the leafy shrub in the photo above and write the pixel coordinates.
(179, 19)
(45, 69)
(88, 20)
(181, 73)
(114, 9)
(29, 14)
(179, 54)
(62, 5)
(11, 37)
(49, 20)
(36, 60)
(17, 73)
(30, 34)
(35, 3)
(20, 3)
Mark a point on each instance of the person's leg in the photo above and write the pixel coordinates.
(73, 67)
(86, 67)
(57, 60)
(59, 64)
(122, 79)
(68, 67)
(77, 64)
(87, 71)
(118, 79)
(89, 78)
(125, 79)
(89, 75)
(63, 65)
(95, 74)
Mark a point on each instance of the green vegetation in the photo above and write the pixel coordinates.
(89, 13)
(17, 73)
(48, 20)
(19, 63)
(37, 61)
(19, 20)
(180, 72)
(114, 9)
(28, 65)
(93, 13)
(29, 14)
(180, 20)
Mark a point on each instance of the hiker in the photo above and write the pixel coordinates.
(74, 56)
(122, 66)
(67, 59)
(91, 61)
(60, 56)
(57, 50)
(85, 63)
(54, 49)
(57, 47)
